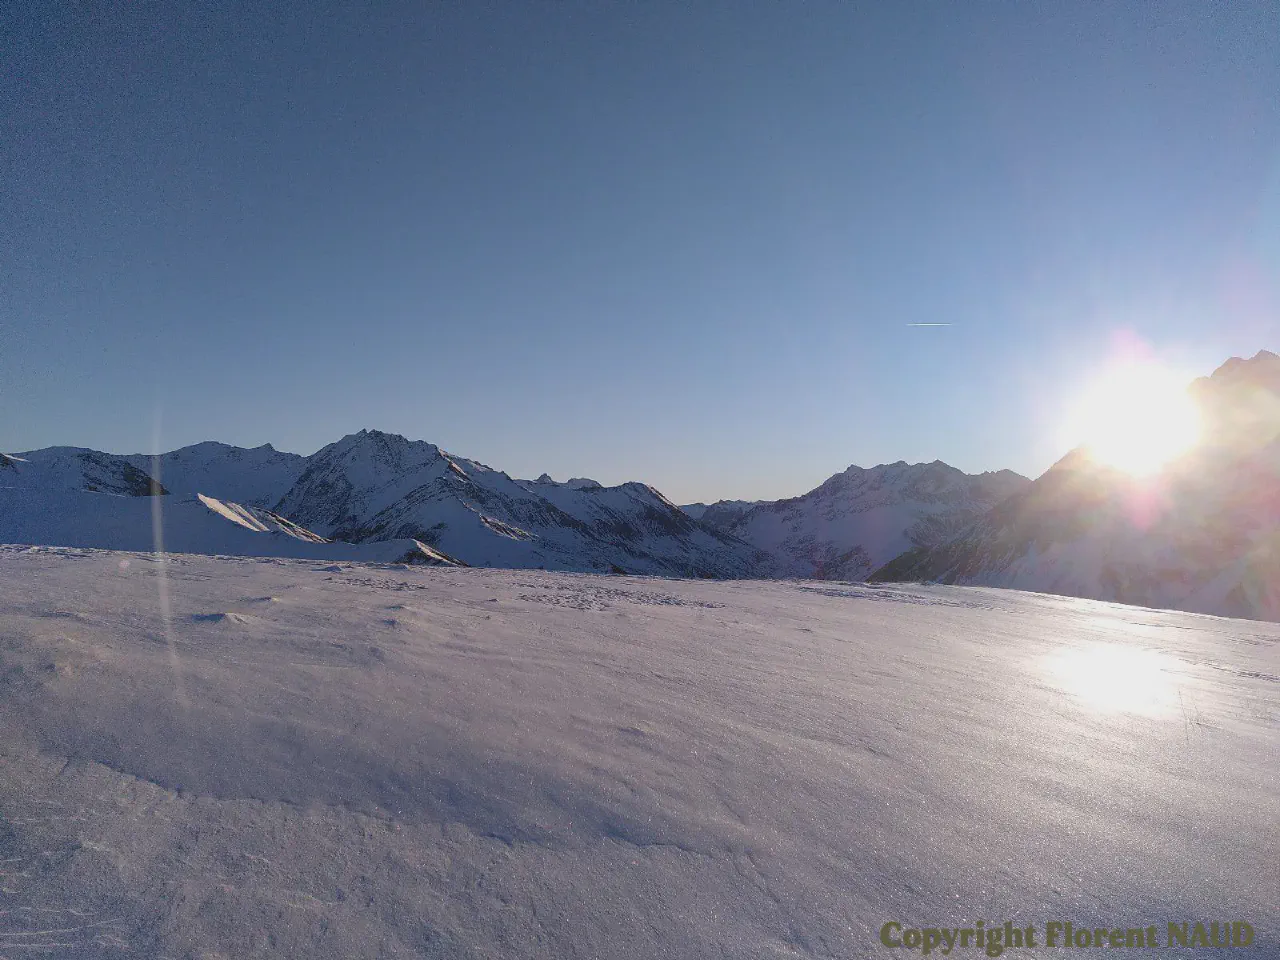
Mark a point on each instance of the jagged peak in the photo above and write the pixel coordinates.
(378, 435)
(373, 447)
(216, 448)
(644, 490)
(576, 483)
(899, 465)
(1259, 375)
(202, 446)
(1264, 362)
(367, 437)
(63, 451)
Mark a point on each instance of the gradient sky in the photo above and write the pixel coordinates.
(675, 242)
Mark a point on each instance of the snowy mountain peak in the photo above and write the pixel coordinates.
(373, 449)
(576, 483)
(645, 492)
(1262, 361)
(79, 469)
(1259, 374)
(258, 477)
(933, 478)
(858, 519)
(720, 514)
(374, 486)
(1240, 404)
(378, 440)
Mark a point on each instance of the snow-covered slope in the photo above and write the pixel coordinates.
(76, 468)
(259, 476)
(373, 485)
(199, 524)
(1203, 536)
(289, 761)
(860, 519)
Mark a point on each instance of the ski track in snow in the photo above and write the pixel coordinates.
(377, 761)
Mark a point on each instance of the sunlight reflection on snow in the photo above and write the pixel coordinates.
(1115, 679)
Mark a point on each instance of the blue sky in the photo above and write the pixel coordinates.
(673, 242)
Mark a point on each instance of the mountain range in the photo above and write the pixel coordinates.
(859, 520)
(389, 497)
(72, 497)
(374, 487)
(1204, 535)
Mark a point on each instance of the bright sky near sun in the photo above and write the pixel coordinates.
(724, 248)
(1134, 416)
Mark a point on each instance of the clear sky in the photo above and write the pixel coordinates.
(674, 242)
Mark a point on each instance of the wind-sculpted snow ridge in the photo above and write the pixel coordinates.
(860, 519)
(259, 520)
(372, 486)
(200, 525)
(343, 761)
(1202, 536)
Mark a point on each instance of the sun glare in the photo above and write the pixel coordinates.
(1111, 678)
(1137, 417)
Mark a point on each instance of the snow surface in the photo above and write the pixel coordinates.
(294, 759)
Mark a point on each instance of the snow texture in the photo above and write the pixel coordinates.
(277, 758)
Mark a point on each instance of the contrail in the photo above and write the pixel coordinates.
(929, 324)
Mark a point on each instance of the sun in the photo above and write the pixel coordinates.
(1136, 417)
